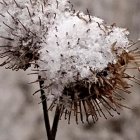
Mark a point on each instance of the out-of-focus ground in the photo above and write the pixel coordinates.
(21, 115)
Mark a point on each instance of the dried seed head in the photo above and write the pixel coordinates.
(99, 95)
(24, 27)
(85, 62)
(22, 54)
(82, 61)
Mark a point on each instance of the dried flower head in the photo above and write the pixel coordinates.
(24, 26)
(81, 60)
(85, 63)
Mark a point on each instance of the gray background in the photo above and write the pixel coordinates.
(21, 115)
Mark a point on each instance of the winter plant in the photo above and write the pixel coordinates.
(82, 63)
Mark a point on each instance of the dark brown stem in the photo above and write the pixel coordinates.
(51, 133)
(55, 122)
(45, 111)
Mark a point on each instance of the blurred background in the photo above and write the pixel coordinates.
(21, 116)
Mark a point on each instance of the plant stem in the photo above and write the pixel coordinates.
(45, 111)
(51, 133)
(55, 122)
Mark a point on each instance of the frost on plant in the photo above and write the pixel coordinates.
(82, 60)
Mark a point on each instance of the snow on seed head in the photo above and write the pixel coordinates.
(81, 60)
(74, 47)
(85, 62)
